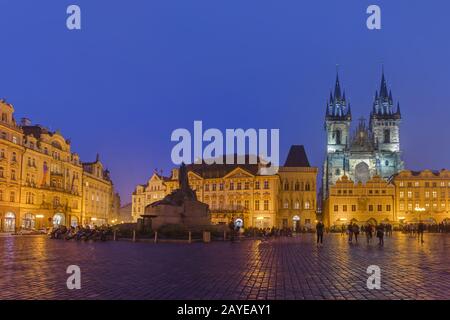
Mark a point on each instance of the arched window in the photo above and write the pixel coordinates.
(307, 205)
(297, 186)
(307, 187)
(297, 205)
(286, 204)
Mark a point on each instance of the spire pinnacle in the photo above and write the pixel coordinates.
(383, 86)
(337, 88)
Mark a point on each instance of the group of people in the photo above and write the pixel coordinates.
(353, 230)
(379, 231)
(415, 229)
(80, 233)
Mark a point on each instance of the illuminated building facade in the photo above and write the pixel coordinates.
(423, 195)
(361, 203)
(372, 150)
(285, 199)
(41, 179)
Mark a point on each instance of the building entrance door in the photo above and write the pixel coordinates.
(10, 222)
(296, 224)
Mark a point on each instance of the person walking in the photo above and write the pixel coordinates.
(319, 230)
(350, 232)
(369, 233)
(380, 234)
(420, 231)
(355, 229)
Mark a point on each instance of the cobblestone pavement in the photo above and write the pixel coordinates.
(34, 267)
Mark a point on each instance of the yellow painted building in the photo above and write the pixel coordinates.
(11, 152)
(98, 194)
(423, 195)
(234, 190)
(41, 179)
(372, 202)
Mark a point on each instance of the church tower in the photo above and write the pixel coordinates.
(385, 127)
(338, 118)
(384, 121)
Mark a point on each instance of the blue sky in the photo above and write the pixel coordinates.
(140, 69)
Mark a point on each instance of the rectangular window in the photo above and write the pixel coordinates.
(344, 208)
(266, 184)
(402, 194)
(256, 204)
(370, 207)
(336, 208)
(257, 185)
(380, 207)
(402, 206)
(388, 207)
(239, 186)
(213, 187)
(266, 205)
(353, 207)
(221, 186)
(231, 185)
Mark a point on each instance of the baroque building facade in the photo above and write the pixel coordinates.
(41, 179)
(372, 150)
(422, 195)
(285, 199)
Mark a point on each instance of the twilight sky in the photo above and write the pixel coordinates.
(140, 69)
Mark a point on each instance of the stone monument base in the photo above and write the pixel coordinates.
(191, 214)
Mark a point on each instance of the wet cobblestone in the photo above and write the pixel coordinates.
(34, 267)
